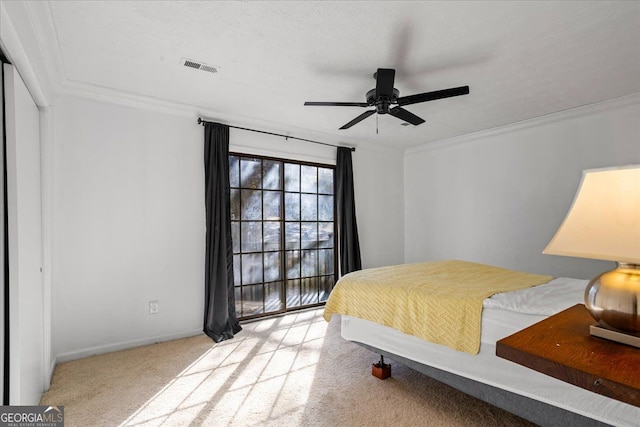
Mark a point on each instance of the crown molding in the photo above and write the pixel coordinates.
(46, 35)
(133, 100)
(582, 111)
(19, 55)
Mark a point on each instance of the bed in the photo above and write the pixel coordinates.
(536, 397)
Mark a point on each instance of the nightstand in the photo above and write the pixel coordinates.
(561, 346)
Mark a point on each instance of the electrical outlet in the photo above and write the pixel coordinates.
(154, 307)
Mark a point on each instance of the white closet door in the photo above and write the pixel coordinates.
(26, 301)
(2, 236)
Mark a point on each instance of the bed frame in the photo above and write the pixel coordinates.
(530, 409)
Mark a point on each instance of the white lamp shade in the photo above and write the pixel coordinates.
(604, 220)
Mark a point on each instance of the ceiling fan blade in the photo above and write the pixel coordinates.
(431, 96)
(358, 119)
(384, 82)
(338, 104)
(405, 115)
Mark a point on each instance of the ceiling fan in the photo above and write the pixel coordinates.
(384, 95)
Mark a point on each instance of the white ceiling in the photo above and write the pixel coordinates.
(521, 59)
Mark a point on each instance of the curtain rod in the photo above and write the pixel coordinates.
(201, 121)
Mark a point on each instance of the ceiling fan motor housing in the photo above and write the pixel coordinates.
(382, 103)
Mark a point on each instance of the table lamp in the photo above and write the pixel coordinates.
(604, 223)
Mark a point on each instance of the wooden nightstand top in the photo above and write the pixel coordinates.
(561, 346)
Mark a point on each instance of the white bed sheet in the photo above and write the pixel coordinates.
(487, 368)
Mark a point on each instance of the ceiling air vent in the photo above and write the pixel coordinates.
(199, 65)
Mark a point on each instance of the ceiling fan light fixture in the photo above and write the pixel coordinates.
(382, 106)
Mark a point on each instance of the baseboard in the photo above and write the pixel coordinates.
(123, 345)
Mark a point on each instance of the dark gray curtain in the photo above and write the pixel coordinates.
(347, 227)
(220, 320)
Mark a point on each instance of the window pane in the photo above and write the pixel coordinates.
(309, 232)
(292, 206)
(252, 300)
(272, 205)
(251, 204)
(251, 268)
(325, 208)
(325, 181)
(250, 173)
(272, 236)
(234, 171)
(293, 293)
(325, 234)
(236, 270)
(272, 266)
(326, 284)
(309, 291)
(309, 182)
(325, 261)
(274, 297)
(292, 235)
(309, 204)
(309, 263)
(293, 264)
(238, 301)
(251, 236)
(234, 200)
(235, 236)
(291, 177)
(271, 175)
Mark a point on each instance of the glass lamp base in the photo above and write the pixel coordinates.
(613, 297)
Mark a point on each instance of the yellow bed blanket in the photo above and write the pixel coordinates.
(439, 301)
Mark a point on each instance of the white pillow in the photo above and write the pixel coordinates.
(547, 299)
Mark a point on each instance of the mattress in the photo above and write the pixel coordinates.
(503, 315)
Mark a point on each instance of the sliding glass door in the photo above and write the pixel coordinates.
(284, 238)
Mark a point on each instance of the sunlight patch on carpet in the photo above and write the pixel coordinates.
(263, 375)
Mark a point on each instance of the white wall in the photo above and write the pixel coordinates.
(128, 220)
(378, 175)
(26, 295)
(497, 197)
(128, 227)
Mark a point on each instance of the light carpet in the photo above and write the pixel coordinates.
(293, 370)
